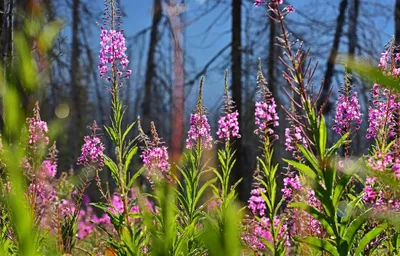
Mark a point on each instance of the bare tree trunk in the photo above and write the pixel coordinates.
(151, 67)
(354, 11)
(178, 101)
(397, 22)
(76, 106)
(236, 56)
(330, 65)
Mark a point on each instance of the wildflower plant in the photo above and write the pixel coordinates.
(228, 131)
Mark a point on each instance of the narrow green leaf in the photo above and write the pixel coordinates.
(323, 136)
(319, 244)
(132, 151)
(340, 187)
(337, 145)
(135, 176)
(303, 169)
(368, 238)
(355, 225)
(310, 158)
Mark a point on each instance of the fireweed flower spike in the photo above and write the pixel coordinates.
(228, 124)
(155, 157)
(37, 129)
(266, 116)
(113, 51)
(348, 110)
(92, 150)
(200, 131)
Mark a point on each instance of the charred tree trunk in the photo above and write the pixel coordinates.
(76, 106)
(330, 65)
(354, 11)
(178, 102)
(397, 22)
(236, 56)
(151, 67)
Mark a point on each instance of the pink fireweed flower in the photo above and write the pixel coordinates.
(228, 126)
(259, 231)
(113, 53)
(314, 225)
(396, 168)
(291, 184)
(256, 202)
(289, 9)
(199, 132)
(266, 116)
(48, 169)
(381, 116)
(258, 3)
(348, 111)
(380, 161)
(155, 159)
(37, 131)
(383, 60)
(155, 156)
(370, 194)
(92, 152)
(293, 136)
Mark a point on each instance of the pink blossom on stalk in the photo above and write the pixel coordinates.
(289, 9)
(314, 225)
(383, 60)
(37, 131)
(396, 168)
(228, 126)
(113, 53)
(290, 184)
(257, 202)
(155, 159)
(348, 111)
(199, 132)
(380, 161)
(48, 169)
(293, 136)
(92, 152)
(266, 116)
(260, 230)
(370, 194)
(381, 116)
(258, 3)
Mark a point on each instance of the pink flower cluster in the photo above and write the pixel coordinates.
(381, 117)
(155, 159)
(199, 132)
(266, 116)
(260, 231)
(228, 126)
(113, 53)
(380, 161)
(92, 152)
(291, 184)
(292, 140)
(313, 224)
(48, 169)
(370, 193)
(257, 202)
(348, 110)
(37, 131)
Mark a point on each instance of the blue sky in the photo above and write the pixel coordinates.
(138, 17)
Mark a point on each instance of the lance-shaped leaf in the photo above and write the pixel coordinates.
(319, 244)
(368, 238)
